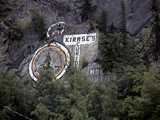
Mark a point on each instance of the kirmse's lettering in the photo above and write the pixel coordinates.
(80, 39)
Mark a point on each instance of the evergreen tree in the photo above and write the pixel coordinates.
(38, 24)
(103, 102)
(102, 22)
(139, 96)
(115, 54)
(117, 49)
(63, 100)
(150, 93)
(87, 10)
(16, 97)
(123, 21)
(156, 29)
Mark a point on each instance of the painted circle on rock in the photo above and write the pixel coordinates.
(54, 54)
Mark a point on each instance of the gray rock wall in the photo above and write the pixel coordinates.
(13, 54)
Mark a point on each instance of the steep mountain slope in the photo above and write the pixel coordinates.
(23, 27)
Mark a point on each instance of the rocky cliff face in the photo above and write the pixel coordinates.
(19, 36)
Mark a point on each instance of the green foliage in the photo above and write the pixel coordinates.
(132, 95)
(150, 92)
(41, 112)
(63, 99)
(130, 87)
(38, 24)
(156, 29)
(117, 49)
(137, 81)
(78, 88)
(14, 95)
(87, 10)
(103, 102)
(137, 86)
(101, 22)
(116, 53)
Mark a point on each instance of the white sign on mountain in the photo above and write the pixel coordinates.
(57, 56)
(78, 40)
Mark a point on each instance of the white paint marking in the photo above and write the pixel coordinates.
(55, 31)
(77, 40)
(66, 52)
(81, 38)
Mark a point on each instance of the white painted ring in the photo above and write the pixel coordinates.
(57, 45)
